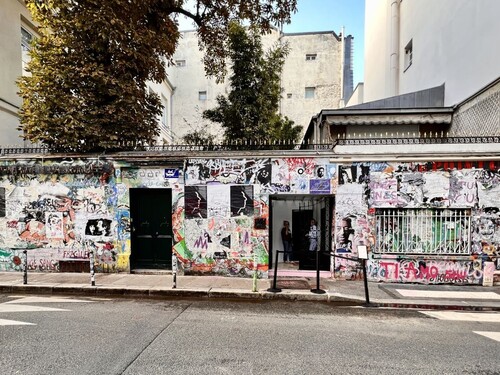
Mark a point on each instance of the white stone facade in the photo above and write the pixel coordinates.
(16, 23)
(454, 42)
(14, 16)
(314, 62)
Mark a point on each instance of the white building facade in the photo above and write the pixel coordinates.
(17, 31)
(412, 45)
(312, 79)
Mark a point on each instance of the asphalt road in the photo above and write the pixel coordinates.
(124, 336)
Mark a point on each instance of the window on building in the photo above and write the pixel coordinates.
(311, 56)
(309, 94)
(423, 231)
(202, 95)
(26, 40)
(180, 63)
(289, 96)
(408, 54)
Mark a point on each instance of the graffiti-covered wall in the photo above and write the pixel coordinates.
(422, 222)
(226, 209)
(59, 210)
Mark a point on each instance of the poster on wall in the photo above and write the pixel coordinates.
(98, 227)
(195, 202)
(319, 187)
(218, 200)
(54, 225)
(436, 189)
(241, 201)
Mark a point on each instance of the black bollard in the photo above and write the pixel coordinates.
(317, 290)
(25, 276)
(275, 289)
(92, 271)
(367, 297)
(174, 271)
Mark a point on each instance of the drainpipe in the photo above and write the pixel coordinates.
(394, 73)
(280, 41)
(342, 68)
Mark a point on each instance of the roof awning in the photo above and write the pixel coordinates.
(389, 119)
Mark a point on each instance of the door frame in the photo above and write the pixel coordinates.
(326, 223)
(135, 201)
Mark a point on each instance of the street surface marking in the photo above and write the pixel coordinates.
(5, 322)
(18, 305)
(493, 317)
(25, 308)
(491, 335)
(44, 300)
(448, 294)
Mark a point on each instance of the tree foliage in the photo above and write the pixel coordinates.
(250, 110)
(89, 67)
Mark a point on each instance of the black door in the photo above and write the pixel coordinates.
(151, 228)
(301, 220)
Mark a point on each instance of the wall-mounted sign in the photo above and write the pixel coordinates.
(362, 252)
(171, 173)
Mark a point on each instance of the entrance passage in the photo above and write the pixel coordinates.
(151, 228)
(299, 210)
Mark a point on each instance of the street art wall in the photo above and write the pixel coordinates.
(58, 210)
(421, 222)
(226, 209)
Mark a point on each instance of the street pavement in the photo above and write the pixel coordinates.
(293, 288)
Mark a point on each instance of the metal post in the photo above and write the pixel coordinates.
(367, 297)
(174, 271)
(275, 289)
(25, 276)
(254, 283)
(317, 290)
(92, 272)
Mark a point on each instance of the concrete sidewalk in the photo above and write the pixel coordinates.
(337, 292)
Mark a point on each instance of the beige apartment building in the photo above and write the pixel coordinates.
(312, 79)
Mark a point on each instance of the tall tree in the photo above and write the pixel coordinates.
(250, 110)
(89, 67)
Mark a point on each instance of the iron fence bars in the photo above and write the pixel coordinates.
(416, 141)
(423, 231)
(343, 140)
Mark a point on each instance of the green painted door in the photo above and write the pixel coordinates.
(151, 228)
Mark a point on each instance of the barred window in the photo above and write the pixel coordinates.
(423, 231)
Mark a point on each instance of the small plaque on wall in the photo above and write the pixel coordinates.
(362, 252)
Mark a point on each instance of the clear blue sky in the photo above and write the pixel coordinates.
(326, 15)
(331, 15)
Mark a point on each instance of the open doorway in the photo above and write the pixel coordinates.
(298, 210)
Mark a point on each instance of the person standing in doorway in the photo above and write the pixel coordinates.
(313, 236)
(286, 238)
